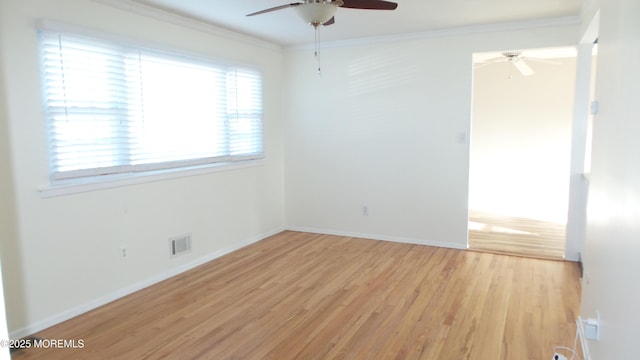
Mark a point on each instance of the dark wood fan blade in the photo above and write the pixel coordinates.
(330, 21)
(275, 8)
(369, 4)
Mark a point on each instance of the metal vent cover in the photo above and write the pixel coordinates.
(180, 245)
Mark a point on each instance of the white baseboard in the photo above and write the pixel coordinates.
(398, 239)
(115, 295)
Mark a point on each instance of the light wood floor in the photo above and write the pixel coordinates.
(516, 236)
(308, 296)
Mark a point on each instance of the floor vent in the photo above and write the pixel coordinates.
(180, 245)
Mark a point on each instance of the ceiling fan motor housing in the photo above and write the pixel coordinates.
(512, 55)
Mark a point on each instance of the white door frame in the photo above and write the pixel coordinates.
(579, 183)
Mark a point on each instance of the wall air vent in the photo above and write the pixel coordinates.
(180, 245)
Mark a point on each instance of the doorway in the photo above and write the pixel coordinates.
(520, 153)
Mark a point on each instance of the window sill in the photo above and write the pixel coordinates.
(75, 186)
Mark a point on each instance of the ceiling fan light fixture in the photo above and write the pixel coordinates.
(316, 13)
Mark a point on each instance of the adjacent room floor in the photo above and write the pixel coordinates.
(516, 236)
(309, 296)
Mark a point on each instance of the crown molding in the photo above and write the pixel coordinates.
(446, 32)
(188, 22)
(200, 25)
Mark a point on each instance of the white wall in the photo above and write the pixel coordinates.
(521, 140)
(386, 126)
(7, 209)
(612, 248)
(63, 256)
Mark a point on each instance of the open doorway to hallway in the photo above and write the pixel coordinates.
(521, 151)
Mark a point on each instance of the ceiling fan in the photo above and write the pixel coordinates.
(517, 60)
(321, 12)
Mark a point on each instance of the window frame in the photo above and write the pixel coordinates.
(95, 178)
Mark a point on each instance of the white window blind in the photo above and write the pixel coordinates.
(114, 108)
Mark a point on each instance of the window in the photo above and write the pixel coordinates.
(113, 108)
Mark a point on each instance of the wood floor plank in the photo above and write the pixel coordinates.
(309, 296)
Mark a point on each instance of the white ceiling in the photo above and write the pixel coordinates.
(284, 27)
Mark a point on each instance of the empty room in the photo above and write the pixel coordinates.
(269, 180)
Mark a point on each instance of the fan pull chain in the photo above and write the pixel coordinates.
(316, 51)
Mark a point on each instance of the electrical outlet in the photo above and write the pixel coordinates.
(123, 253)
(557, 356)
(591, 328)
